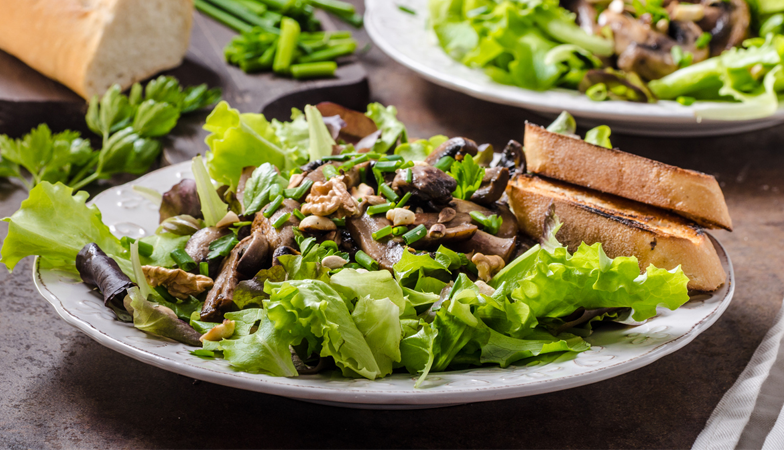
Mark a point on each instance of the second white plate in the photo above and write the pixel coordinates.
(406, 38)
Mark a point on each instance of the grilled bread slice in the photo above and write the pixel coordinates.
(623, 227)
(691, 194)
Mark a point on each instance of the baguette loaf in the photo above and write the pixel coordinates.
(688, 193)
(89, 45)
(622, 226)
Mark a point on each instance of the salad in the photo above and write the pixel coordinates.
(633, 50)
(333, 242)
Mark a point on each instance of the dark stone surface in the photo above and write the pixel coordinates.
(59, 389)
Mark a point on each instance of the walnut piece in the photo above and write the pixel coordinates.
(330, 197)
(178, 282)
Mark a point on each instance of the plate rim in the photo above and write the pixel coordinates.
(349, 398)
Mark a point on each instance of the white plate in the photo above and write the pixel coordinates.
(407, 39)
(616, 350)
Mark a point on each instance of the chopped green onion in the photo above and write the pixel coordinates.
(298, 192)
(386, 166)
(365, 261)
(378, 209)
(339, 221)
(183, 260)
(329, 53)
(298, 214)
(703, 40)
(362, 175)
(399, 231)
(491, 224)
(685, 101)
(204, 268)
(388, 192)
(409, 176)
(329, 171)
(404, 200)
(145, 249)
(414, 235)
(273, 206)
(350, 164)
(406, 9)
(222, 16)
(287, 44)
(382, 233)
(392, 158)
(444, 163)
(281, 220)
(341, 157)
(597, 92)
(314, 70)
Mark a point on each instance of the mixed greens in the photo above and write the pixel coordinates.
(332, 241)
(635, 50)
(129, 127)
(283, 36)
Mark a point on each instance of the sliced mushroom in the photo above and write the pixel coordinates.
(429, 186)
(728, 23)
(446, 236)
(255, 256)
(182, 198)
(585, 12)
(493, 186)
(512, 158)
(277, 237)
(198, 246)
(386, 252)
(456, 147)
(509, 227)
(487, 244)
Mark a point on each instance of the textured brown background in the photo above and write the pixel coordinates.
(59, 389)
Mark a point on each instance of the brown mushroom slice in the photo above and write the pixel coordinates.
(509, 227)
(255, 256)
(277, 237)
(456, 147)
(357, 126)
(387, 252)
(512, 158)
(429, 186)
(198, 246)
(585, 13)
(447, 236)
(493, 186)
(727, 22)
(487, 244)
(220, 298)
(281, 251)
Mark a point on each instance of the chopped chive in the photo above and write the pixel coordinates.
(183, 260)
(414, 235)
(350, 164)
(392, 158)
(298, 192)
(287, 44)
(362, 175)
(703, 40)
(399, 231)
(491, 224)
(597, 92)
(222, 16)
(388, 192)
(145, 249)
(342, 157)
(314, 70)
(386, 166)
(281, 220)
(404, 200)
(365, 261)
(409, 176)
(204, 268)
(273, 206)
(382, 233)
(339, 221)
(378, 209)
(329, 171)
(298, 214)
(330, 53)
(407, 165)
(444, 163)
(407, 10)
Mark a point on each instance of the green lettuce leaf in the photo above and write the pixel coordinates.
(468, 175)
(320, 140)
(294, 135)
(419, 149)
(417, 353)
(55, 224)
(162, 246)
(212, 206)
(264, 351)
(391, 128)
(377, 285)
(377, 320)
(258, 187)
(239, 140)
(159, 320)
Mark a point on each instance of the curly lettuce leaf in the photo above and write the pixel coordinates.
(377, 285)
(377, 320)
(239, 140)
(295, 134)
(55, 224)
(312, 310)
(416, 352)
(392, 129)
(419, 149)
(264, 351)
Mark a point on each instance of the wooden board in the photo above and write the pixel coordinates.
(27, 98)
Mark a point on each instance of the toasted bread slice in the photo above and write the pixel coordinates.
(624, 228)
(691, 194)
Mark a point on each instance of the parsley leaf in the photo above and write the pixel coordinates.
(469, 176)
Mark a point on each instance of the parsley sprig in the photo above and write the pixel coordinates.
(468, 175)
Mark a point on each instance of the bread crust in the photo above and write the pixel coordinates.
(623, 227)
(66, 40)
(689, 193)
